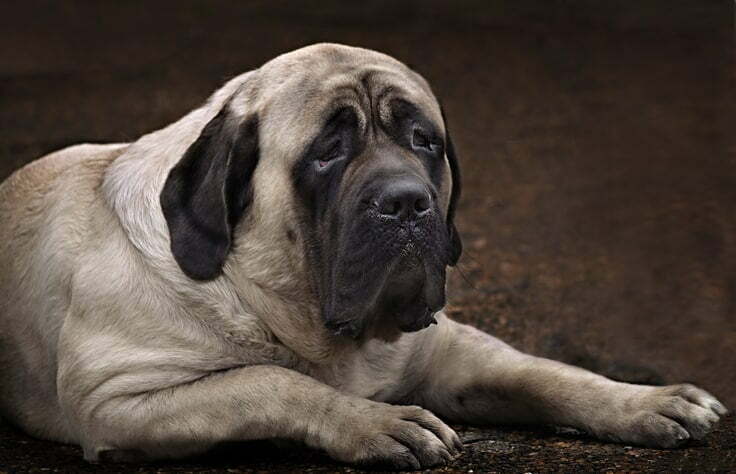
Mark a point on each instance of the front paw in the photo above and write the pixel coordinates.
(663, 417)
(399, 437)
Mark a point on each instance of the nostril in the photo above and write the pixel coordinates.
(421, 204)
(390, 207)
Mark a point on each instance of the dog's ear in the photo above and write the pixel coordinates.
(456, 245)
(207, 192)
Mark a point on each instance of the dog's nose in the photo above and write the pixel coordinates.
(403, 199)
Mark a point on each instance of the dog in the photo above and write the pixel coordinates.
(272, 266)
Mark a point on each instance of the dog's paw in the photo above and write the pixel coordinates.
(399, 437)
(665, 417)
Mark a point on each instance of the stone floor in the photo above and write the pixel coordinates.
(599, 161)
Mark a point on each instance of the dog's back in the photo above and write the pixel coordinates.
(42, 209)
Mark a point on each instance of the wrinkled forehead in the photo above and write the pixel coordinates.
(300, 90)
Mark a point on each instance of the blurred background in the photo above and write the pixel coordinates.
(596, 140)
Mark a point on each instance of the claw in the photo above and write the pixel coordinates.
(719, 408)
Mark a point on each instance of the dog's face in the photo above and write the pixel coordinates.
(346, 152)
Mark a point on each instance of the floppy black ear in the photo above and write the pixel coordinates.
(207, 192)
(456, 245)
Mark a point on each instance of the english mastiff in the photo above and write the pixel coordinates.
(272, 266)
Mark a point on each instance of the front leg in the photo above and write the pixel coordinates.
(249, 403)
(475, 378)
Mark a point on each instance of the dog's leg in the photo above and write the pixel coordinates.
(262, 402)
(476, 378)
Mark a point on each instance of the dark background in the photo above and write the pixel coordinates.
(596, 141)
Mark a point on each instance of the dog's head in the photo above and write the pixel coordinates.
(342, 154)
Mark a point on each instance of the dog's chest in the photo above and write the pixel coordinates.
(378, 370)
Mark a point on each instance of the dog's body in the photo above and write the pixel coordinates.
(162, 296)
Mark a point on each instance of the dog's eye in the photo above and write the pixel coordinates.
(421, 140)
(335, 152)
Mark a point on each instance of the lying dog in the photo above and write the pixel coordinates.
(272, 265)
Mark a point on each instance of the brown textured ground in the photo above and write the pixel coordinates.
(486, 450)
(597, 146)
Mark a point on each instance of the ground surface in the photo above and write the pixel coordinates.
(597, 147)
(487, 450)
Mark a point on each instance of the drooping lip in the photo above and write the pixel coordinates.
(385, 273)
(412, 313)
(409, 294)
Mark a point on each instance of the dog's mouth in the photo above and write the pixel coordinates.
(409, 297)
(403, 293)
(384, 274)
